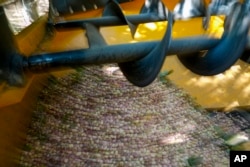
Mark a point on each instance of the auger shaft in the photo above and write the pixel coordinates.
(114, 53)
(99, 52)
(110, 21)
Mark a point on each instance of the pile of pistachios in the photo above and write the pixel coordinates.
(95, 117)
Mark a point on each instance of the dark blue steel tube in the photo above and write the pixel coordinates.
(114, 53)
(110, 21)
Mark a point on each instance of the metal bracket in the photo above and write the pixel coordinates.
(140, 62)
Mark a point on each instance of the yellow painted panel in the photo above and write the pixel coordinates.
(27, 42)
(227, 89)
(14, 120)
(16, 104)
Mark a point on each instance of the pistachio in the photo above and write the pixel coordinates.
(91, 118)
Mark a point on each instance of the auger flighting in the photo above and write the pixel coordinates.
(141, 62)
(232, 44)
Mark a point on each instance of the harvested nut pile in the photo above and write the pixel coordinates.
(95, 117)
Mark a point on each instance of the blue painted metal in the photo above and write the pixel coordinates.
(112, 8)
(143, 71)
(95, 39)
(10, 60)
(139, 62)
(72, 6)
(227, 52)
(113, 53)
(109, 21)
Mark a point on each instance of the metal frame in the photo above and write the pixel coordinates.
(13, 64)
